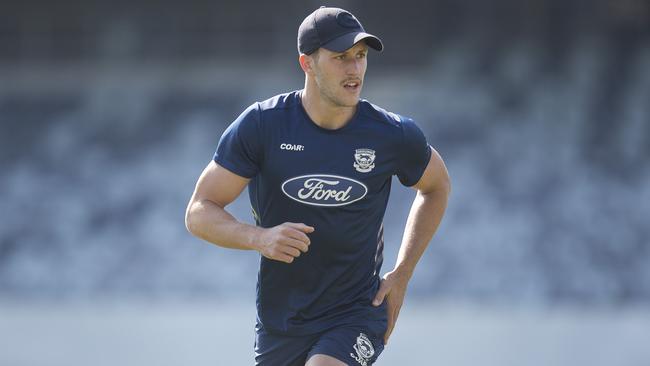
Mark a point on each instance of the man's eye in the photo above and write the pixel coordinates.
(340, 57)
(361, 55)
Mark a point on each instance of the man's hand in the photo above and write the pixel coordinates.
(392, 288)
(284, 242)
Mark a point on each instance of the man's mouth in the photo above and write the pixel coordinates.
(352, 85)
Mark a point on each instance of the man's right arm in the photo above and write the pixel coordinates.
(207, 219)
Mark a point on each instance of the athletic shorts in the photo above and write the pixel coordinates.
(354, 344)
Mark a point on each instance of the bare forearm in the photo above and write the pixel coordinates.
(423, 221)
(210, 222)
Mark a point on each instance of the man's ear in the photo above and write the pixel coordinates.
(306, 63)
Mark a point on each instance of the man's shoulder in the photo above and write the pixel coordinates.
(375, 112)
(279, 102)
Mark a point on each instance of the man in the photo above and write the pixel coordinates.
(318, 164)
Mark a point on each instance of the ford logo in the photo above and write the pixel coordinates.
(324, 190)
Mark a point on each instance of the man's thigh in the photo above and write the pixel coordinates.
(324, 360)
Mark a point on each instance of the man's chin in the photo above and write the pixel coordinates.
(353, 104)
(345, 101)
(351, 101)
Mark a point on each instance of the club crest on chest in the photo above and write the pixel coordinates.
(364, 160)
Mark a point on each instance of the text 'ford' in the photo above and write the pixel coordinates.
(324, 190)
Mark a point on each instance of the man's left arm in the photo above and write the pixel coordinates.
(426, 213)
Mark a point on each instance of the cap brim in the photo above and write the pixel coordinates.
(348, 40)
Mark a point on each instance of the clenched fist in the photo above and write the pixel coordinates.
(284, 242)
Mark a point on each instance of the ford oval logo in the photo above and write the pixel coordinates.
(324, 190)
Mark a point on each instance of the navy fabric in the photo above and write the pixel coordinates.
(337, 181)
(355, 344)
(282, 350)
(359, 344)
(335, 29)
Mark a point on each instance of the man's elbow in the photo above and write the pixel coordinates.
(191, 219)
(445, 185)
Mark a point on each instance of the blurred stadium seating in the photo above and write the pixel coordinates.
(541, 109)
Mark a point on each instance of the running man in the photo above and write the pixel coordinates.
(318, 164)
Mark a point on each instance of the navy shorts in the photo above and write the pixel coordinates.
(354, 344)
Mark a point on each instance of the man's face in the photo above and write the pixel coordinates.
(339, 75)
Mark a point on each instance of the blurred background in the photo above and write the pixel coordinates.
(110, 110)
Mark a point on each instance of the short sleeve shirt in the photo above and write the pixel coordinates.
(337, 181)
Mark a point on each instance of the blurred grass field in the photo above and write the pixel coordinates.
(203, 333)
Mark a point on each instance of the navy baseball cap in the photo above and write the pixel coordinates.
(334, 29)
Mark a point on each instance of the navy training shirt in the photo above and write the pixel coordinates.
(337, 181)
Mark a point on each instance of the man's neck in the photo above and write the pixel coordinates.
(323, 113)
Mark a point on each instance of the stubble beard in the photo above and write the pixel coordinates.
(330, 96)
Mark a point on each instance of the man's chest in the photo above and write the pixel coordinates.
(327, 169)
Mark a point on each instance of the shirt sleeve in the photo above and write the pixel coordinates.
(240, 149)
(414, 153)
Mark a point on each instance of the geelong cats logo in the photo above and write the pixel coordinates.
(324, 190)
(364, 350)
(364, 160)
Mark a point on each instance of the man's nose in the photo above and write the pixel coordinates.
(354, 67)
